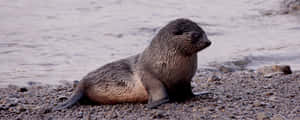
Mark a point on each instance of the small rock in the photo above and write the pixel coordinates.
(213, 78)
(20, 117)
(259, 104)
(158, 115)
(88, 116)
(11, 109)
(75, 83)
(268, 12)
(232, 117)
(31, 83)
(268, 71)
(242, 63)
(32, 107)
(274, 99)
(278, 117)
(12, 86)
(269, 86)
(11, 102)
(292, 5)
(80, 115)
(113, 116)
(225, 69)
(204, 95)
(3, 107)
(22, 89)
(262, 116)
(61, 98)
(45, 110)
(20, 108)
(60, 88)
(221, 108)
(193, 84)
(207, 109)
(269, 93)
(270, 75)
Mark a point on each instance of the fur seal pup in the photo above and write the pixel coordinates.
(161, 73)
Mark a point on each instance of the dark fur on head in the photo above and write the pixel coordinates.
(184, 35)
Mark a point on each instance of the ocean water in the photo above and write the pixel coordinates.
(52, 40)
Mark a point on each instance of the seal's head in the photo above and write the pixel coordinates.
(184, 35)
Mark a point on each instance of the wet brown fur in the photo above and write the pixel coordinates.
(161, 73)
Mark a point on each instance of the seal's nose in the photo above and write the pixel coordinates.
(208, 42)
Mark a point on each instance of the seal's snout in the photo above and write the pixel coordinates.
(207, 42)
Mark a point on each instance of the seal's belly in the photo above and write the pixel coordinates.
(118, 92)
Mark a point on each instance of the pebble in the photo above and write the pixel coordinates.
(273, 98)
(270, 75)
(262, 116)
(45, 110)
(31, 83)
(80, 115)
(11, 102)
(269, 71)
(259, 104)
(61, 98)
(3, 107)
(221, 108)
(225, 69)
(32, 107)
(20, 108)
(158, 115)
(75, 83)
(22, 89)
(278, 117)
(269, 93)
(213, 78)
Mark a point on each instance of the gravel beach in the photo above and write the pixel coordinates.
(44, 42)
(236, 95)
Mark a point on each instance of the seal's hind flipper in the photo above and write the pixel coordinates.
(70, 102)
(204, 95)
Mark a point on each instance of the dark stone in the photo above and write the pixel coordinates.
(22, 89)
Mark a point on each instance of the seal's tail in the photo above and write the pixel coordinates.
(77, 95)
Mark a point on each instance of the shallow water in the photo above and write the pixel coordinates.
(49, 41)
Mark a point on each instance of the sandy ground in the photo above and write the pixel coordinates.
(236, 95)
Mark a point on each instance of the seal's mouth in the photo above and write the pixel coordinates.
(205, 42)
(202, 44)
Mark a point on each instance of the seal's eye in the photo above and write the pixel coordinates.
(196, 35)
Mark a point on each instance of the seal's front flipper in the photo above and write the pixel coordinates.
(157, 103)
(157, 94)
(204, 95)
(156, 90)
